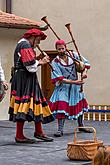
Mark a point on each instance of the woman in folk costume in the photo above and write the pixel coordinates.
(67, 101)
(27, 102)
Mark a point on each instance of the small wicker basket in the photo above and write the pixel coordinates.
(83, 150)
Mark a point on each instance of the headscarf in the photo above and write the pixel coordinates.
(35, 32)
(60, 42)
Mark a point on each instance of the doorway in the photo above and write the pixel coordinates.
(46, 83)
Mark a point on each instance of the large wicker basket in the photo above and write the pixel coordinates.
(83, 150)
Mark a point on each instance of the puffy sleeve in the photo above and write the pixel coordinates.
(33, 68)
(56, 74)
(27, 54)
(86, 62)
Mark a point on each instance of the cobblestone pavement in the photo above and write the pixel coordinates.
(45, 153)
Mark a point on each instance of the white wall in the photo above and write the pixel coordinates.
(91, 28)
(8, 40)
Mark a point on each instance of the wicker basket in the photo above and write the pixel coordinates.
(83, 150)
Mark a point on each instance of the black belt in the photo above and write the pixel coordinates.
(20, 69)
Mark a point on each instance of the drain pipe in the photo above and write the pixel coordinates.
(8, 6)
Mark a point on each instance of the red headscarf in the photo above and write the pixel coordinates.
(60, 42)
(35, 32)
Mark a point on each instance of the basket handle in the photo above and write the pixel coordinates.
(75, 133)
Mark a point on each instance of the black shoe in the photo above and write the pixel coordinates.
(58, 134)
(85, 130)
(44, 137)
(25, 140)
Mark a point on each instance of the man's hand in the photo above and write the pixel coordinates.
(84, 76)
(78, 82)
(44, 60)
(5, 84)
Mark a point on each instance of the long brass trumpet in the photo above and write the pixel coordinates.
(46, 21)
(73, 40)
(81, 66)
(44, 56)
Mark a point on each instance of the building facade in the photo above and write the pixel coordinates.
(90, 25)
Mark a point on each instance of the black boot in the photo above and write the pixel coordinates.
(80, 124)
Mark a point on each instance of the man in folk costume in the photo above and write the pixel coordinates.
(27, 102)
(67, 101)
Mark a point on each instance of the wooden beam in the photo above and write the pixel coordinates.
(22, 26)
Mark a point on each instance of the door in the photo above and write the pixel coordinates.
(47, 86)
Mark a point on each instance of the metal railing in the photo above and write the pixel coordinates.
(98, 112)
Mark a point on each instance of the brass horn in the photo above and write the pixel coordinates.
(45, 20)
(80, 67)
(73, 40)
